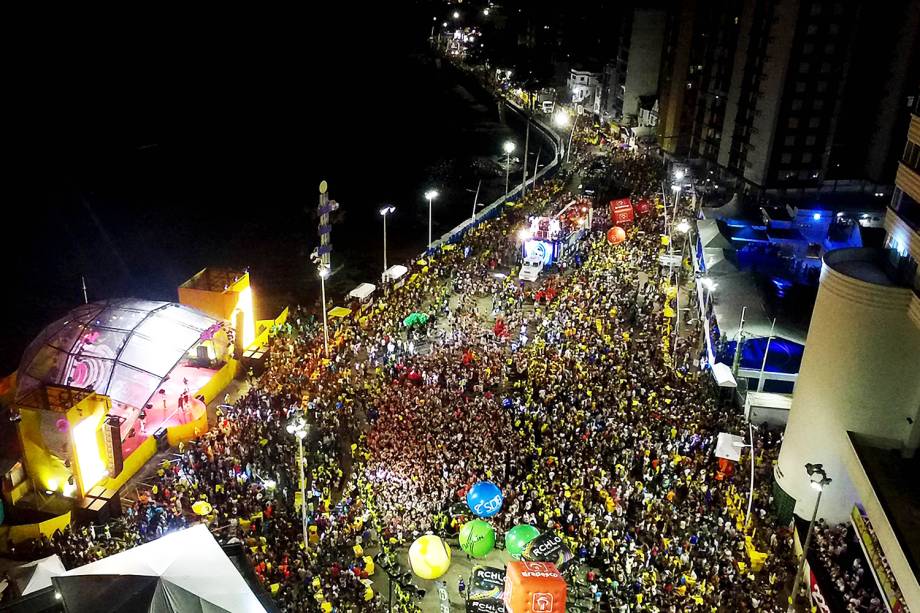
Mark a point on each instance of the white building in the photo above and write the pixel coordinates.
(856, 407)
(585, 88)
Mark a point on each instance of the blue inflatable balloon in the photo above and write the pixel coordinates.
(484, 499)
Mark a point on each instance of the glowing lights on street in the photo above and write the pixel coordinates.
(683, 227)
(387, 209)
(456, 15)
(524, 234)
(324, 272)
(709, 284)
(561, 119)
(508, 147)
(816, 216)
(431, 194)
(485, 12)
(679, 174)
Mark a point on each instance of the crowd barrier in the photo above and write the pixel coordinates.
(495, 208)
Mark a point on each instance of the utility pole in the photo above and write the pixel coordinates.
(736, 362)
(763, 365)
(524, 165)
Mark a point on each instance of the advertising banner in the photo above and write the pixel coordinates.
(548, 547)
(486, 583)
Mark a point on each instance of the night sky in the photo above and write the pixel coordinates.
(144, 149)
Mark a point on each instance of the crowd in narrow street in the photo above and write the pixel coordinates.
(576, 407)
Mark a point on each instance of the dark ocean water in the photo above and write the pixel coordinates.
(138, 168)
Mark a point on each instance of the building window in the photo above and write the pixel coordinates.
(814, 122)
(911, 157)
(804, 67)
(808, 49)
(790, 141)
(810, 140)
(815, 8)
(803, 175)
(817, 104)
(825, 67)
(812, 29)
(786, 159)
(797, 104)
(800, 87)
(834, 28)
(806, 157)
(829, 49)
(793, 123)
(822, 87)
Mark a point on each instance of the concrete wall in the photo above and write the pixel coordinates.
(775, 67)
(859, 373)
(644, 57)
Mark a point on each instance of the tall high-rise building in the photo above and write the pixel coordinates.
(791, 97)
(635, 70)
(856, 406)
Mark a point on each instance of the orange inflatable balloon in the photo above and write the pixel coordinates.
(616, 235)
(534, 587)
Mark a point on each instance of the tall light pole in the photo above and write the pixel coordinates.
(384, 211)
(298, 428)
(819, 480)
(430, 195)
(323, 273)
(507, 147)
(568, 150)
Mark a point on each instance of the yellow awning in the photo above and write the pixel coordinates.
(339, 312)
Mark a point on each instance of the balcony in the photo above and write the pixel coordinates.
(876, 470)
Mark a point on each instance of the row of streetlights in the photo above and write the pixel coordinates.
(432, 194)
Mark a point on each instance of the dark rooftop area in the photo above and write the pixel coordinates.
(891, 475)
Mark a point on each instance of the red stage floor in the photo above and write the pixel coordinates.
(165, 410)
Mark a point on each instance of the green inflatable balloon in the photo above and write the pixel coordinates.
(517, 538)
(477, 538)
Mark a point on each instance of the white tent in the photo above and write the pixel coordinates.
(723, 375)
(36, 575)
(729, 446)
(363, 291)
(185, 570)
(394, 272)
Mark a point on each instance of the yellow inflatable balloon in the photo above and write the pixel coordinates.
(429, 557)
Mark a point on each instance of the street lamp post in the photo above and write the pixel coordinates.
(430, 195)
(323, 273)
(568, 150)
(384, 211)
(299, 429)
(819, 480)
(507, 147)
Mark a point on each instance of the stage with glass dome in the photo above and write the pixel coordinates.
(101, 388)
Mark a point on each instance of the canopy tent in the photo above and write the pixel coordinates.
(363, 291)
(723, 375)
(339, 312)
(182, 571)
(415, 319)
(729, 446)
(36, 575)
(732, 208)
(394, 272)
(711, 236)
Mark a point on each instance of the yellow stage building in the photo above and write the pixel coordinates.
(102, 387)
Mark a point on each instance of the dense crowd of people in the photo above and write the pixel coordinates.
(575, 405)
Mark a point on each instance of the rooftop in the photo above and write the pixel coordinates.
(869, 265)
(888, 470)
(214, 279)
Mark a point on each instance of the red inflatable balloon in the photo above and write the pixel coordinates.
(616, 235)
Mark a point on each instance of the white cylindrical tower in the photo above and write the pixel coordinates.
(860, 373)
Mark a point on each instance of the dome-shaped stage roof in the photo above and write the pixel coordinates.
(122, 348)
